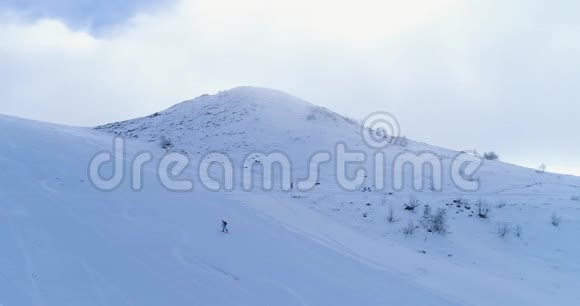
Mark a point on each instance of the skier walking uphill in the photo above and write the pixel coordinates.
(224, 227)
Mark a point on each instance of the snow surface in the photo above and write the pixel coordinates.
(67, 243)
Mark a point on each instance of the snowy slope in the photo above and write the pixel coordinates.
(66, 243)
(539, 267)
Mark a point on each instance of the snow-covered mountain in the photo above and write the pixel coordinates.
(245, 120)
(68, 243)
(241, 120)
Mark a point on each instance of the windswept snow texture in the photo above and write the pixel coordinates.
(471, 264)
(67, 243)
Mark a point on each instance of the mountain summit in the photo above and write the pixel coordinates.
(239, 118)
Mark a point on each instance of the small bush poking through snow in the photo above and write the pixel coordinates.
(427, 212)
(412, 204)
(490, 156)
(427, 219)
(482, 209)
(555, 220)
(503, 229)
(410, 228)
(541, 168)
(434, 223)
(391, 218)
(165, 143)
(519, 231)
(575, 198)
(440, 222)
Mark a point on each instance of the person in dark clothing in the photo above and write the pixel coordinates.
(224, 226)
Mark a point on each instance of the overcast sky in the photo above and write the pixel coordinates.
(490, 75)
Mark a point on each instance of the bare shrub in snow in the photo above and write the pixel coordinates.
(412, 204)
(165, 143)
(410, 228)
(575, 198)
(427, 219)
(518, 231)
(440, 222)
(555, 220)
(482, 209)
(434, 223)
(541, 168)
(490, 156)
(427, 212)
(503, 229)
(391, 218)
